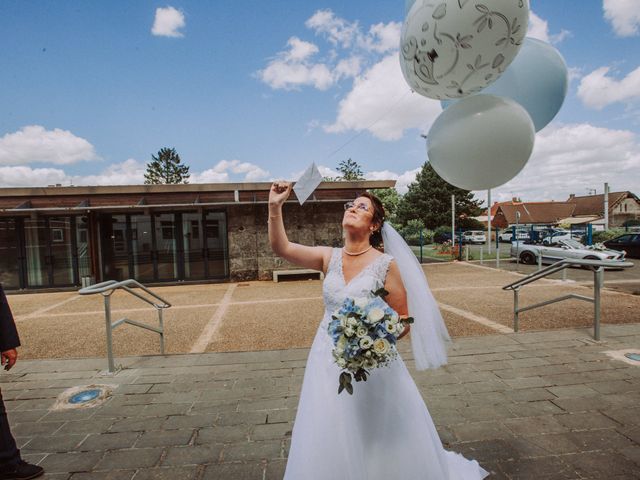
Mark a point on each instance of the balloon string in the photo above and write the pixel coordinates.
(384, 114)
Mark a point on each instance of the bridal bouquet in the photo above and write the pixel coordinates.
(364, 331)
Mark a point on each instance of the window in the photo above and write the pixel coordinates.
(57, 235)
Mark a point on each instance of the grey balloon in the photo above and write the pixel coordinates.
(481, 142)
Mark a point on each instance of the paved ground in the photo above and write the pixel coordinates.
(534, 405)
(252, 316)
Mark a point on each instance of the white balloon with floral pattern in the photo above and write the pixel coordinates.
(452, 48)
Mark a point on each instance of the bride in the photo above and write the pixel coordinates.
(383, 430)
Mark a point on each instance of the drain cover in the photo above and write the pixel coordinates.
(85, 396)
(629, 355)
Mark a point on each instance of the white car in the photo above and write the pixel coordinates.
(529, 254)
(507, 236)
(558, 235)
(474, 236)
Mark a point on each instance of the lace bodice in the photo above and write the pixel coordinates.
(335, 289)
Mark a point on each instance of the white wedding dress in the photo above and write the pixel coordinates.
(381, 432)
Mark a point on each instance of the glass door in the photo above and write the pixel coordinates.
(166, 246)
(37, 252)
(216, 242)
(9, 254)
(61, 246)
(142, 247)
(115, 247)
(193, 246)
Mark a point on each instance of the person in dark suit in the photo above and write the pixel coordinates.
(12, 467)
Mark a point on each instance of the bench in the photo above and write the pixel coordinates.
(296, 271)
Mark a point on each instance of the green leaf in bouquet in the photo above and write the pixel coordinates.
(345, 383)
(408, 320)
(381, 292)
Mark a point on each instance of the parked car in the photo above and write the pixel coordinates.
(507, 236)
(558, 235)
(629, 242)
(529, 253)
(474, 236)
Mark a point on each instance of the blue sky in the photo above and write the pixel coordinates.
(257, 90)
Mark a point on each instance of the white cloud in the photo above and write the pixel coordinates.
(220, 172)
(167, 23)
(597, 89)
(34, 143)
(571, 158)
(350, 51)
(382, 37)
(22, 176)
(292, 68)
(402, 180)
(338, 31)
(129, 172)
(624, 16)
(381, 93)
(539, 28)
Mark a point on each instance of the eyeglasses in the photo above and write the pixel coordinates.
(360, 206)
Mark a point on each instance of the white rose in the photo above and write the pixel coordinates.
(361, 332)
(349, 331)
(352, 322)
(361, 302)
(366, 342)
(381, 346)
(390, 327)
(376, 314)
(341, 362)
(343, 321)
(370, 363)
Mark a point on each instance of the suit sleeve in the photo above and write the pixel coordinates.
(8, 332)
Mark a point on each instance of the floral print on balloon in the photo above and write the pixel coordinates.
(453, 48)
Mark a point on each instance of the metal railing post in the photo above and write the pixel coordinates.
(161, 322)
(466, 253)
(481, 255)
(539, 262)
(597, 284)
(498, 256)
(106, 289)
(516, 319)
(107, 317)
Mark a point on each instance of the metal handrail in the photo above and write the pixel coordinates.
(596, 266)
(106, 289)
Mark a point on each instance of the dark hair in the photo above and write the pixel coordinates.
(378, 218)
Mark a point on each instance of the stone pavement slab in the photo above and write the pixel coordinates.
(532, 405)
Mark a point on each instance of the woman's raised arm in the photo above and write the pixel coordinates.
(316, 258)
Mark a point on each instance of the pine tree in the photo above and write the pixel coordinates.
(429, 200)
(350, 171)
(166, 168)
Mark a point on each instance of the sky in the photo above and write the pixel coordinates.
(256, 91)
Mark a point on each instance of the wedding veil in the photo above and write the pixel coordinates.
(429, 335)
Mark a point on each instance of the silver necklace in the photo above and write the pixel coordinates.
(355, 254)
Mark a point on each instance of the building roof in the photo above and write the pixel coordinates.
(536, 212)
(594, 204)
(33, 199)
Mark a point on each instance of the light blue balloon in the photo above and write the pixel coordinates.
(537, 79)
(407, 5)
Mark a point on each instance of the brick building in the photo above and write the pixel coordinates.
(54, 237)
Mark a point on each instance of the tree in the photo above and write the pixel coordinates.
(390, 200)
(166, 168)
(350, 171)
(429, 200)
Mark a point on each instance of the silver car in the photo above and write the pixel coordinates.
(567, 248)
